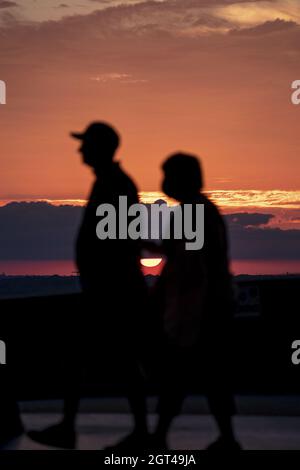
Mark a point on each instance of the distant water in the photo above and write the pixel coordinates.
(39, 268)
(265, 267)
(67, 267)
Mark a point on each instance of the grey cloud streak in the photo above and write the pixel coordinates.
(41, 231)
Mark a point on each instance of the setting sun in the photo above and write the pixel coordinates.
(151, 262)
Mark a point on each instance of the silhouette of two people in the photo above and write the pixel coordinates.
(189, 334)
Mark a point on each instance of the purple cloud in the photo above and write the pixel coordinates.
(41, 231)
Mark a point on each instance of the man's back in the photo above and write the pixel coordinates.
(111, 261)
(215, 254)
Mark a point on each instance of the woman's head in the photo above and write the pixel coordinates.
(182, 176)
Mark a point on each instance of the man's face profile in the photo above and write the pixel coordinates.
(88, 153)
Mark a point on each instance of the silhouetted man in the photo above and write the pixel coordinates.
(113, 290)
(194, 296)
(10, 422)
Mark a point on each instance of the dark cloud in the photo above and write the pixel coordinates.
(244, 219)
(251, 238)
(269, 27)
(264, 243)
(7, 4)
(38, 231)
(112, 33)
(41, 231)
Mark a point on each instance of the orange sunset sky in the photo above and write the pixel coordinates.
(211, 77)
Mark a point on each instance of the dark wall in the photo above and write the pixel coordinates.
(44, 334)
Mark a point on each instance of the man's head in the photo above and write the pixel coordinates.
(99, 143)
(182, 176)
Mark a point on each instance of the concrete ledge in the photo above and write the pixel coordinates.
(277, 405)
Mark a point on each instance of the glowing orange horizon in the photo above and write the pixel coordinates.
(226, 199)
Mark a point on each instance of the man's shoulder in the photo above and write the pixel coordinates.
(125, 183)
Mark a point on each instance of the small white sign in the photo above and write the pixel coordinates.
(2, 353)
